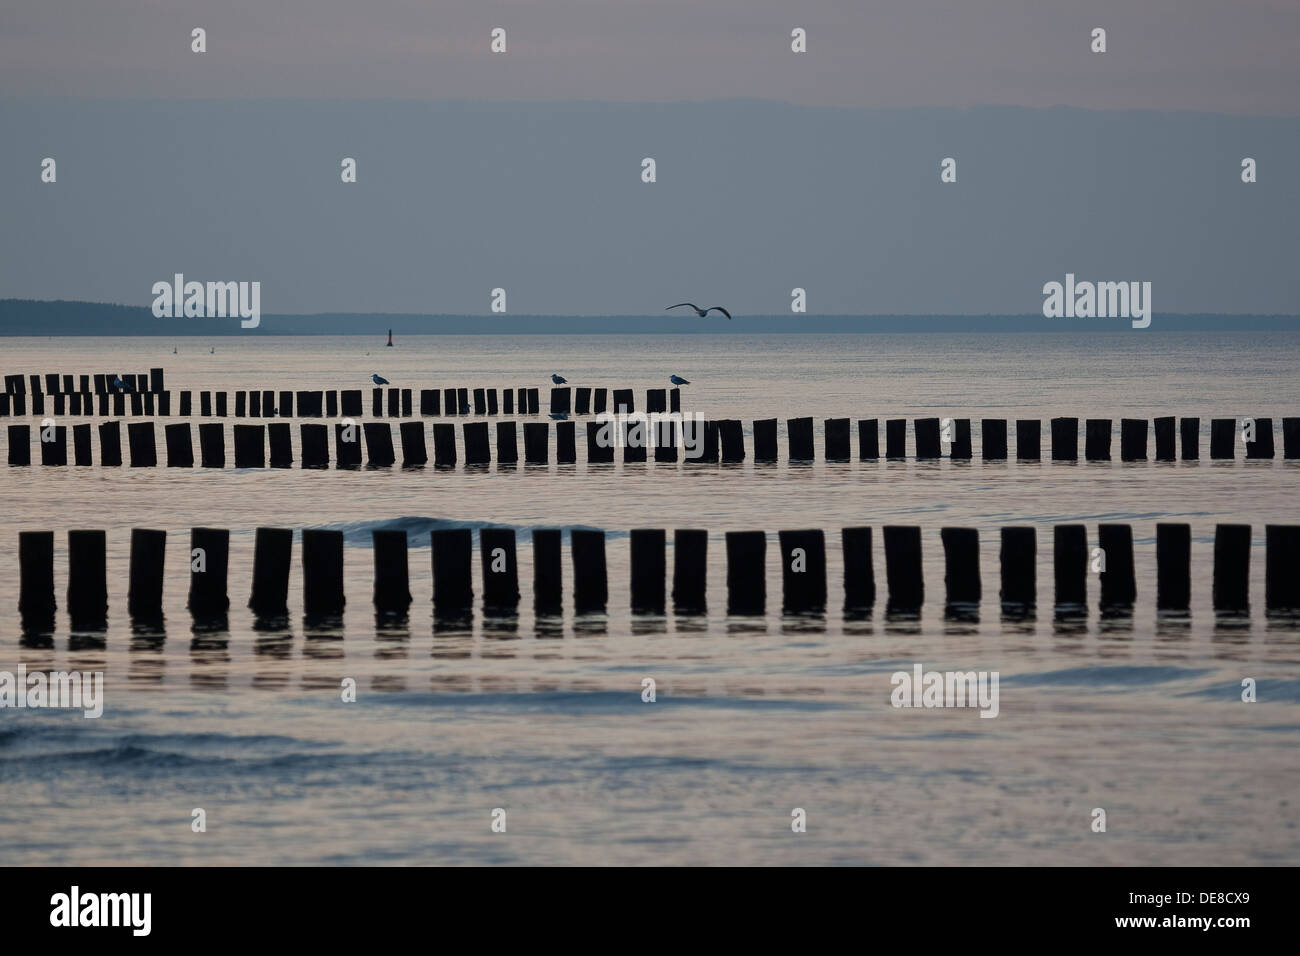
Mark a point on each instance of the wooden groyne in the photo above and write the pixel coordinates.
(800, 553)
(143, 396)
(350, 444)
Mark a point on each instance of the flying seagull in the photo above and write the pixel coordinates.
(698, 311)
(118, 383)
(378, 380)
(559, 379)
(678, 380)
(560, 416)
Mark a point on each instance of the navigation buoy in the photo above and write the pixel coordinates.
(390, 338)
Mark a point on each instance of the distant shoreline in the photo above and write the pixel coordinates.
(44, 318)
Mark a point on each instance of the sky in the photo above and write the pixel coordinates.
(775, 170)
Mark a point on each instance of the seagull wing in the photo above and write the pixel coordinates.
(680, 304)
(720, 309)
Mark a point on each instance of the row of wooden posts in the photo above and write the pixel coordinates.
(714, 440)
(397, 402)
(802, 555)
(53, 383)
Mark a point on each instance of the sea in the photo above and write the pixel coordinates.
(770, 740)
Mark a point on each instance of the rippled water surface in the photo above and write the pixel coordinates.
(1139, 715)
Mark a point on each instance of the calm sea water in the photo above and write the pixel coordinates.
(753, 717)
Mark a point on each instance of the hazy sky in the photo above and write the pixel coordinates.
(775, 170)
(1240, 56)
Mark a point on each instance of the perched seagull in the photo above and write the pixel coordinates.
(698, 311)
(678, 380)
(378, 380)
(559, 379)
(212, 351)
(560, 416)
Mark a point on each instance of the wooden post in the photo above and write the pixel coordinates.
(315, 445)
(477, 446)
(803, 569)
(36, 605)
(1070, 565)
(1166, 438)
(500, 569)
(140, 438)
(20, 445)
(110, 444)
(1282, 568)
(212, 444)
(600, 442)
(1173, 567)
(444, 445)
(961, 558)
(896, 439)
(87, 580)
(1223, 433)
(1029, 440)
(765, 447)
(690, 570)
(322, 573)
(732, 436)
(507, 444)
(347, 446)
(1096, 439)
(927, 439)
(960, 449)
(547, 575)
(392, 591)
(649, 568)
(859, 576)
(566, 443)
(414, 452)
(379, 444)
(1262, 446)
(799, 435)
(868, 440)
(1019, 563)
(1065, 439)
(536, 443)
(1232, 567)
(144, 600)
(838, 442)
(81, 445)
(747, 572)
(1118, 583)
(272, 552)
(209, 561)
(281, 441)
(1133, 439)
(453, 589)
(1190, 433)
(55, 450)
(993, 439)
(590, 584)
(903, 576)
(250, 446)
(180, 445)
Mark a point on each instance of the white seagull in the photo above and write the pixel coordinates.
(698, 311)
